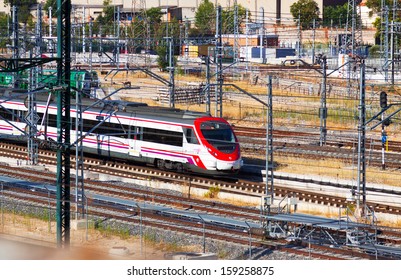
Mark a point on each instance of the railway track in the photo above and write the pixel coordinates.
(238, 187)
(185, 202)
(214, 232)
(339, 139)
(306, 145)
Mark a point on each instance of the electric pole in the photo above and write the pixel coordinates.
(361, 180)
(219, 64)
(323, 107)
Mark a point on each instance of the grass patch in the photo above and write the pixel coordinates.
(108, 231)
(213, 192)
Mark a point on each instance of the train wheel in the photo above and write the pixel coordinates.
(179, 167)
(160, 164)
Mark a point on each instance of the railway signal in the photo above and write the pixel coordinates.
(383, 104)
(383, 99)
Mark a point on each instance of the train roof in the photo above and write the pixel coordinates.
(128, 108)
(140, 109)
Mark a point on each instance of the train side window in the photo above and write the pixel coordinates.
(20, 115)
(107, 128)
(52, 120)
(5, 114)
(162, 136)
(40, 115)
(139, 133)
(190, 136)
(133, 133)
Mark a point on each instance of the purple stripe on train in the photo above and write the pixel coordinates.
(189, 158)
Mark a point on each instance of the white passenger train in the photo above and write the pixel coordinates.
(167, 138)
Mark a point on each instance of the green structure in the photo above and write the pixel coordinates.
(63, 122)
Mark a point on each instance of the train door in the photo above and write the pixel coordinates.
(192, 144)
(135, 135)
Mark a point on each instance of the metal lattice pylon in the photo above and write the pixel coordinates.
(236, 33)
(353, 27)
(384, 44)
(63, 180)
(352, 39)
(32, 116)
(141, 28)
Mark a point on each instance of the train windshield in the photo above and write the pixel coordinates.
(219, 135)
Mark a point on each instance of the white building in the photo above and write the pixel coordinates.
(185, 8)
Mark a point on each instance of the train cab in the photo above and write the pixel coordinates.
(219, 139)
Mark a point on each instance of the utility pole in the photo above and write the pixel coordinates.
(269, 141)
(278, 12)
(83, 33)
(74, 28)
(90, 43)
(392, 41)
(32, 116)
(236, 36)
(186, 42)
(208, 85)
(385, 51)
(313, 42)
(219, 64)
(261, 33)
(299, 34)
(39, 40)
(15, 43)
(383, 105)
(79, 157)
(351, 46)
(117, 35)
(63, 180)
(268, 197)
(100, 47)
(50, 22)
(361, 180)
(384, 137)
(246, 39)
(143, 26)
(171, 72)
(323, 108)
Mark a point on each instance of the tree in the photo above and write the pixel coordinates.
(307, 10)
(23, 6)
(154, 19)
(154, 15)
(228, 19)
(375, 5)
(335, 14)
(106, 19)
(162, 58)
(53, 5)
(4, 19)
(205, 18)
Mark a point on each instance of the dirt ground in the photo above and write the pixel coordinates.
(26, 238)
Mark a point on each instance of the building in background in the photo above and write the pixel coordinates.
(273, 9)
